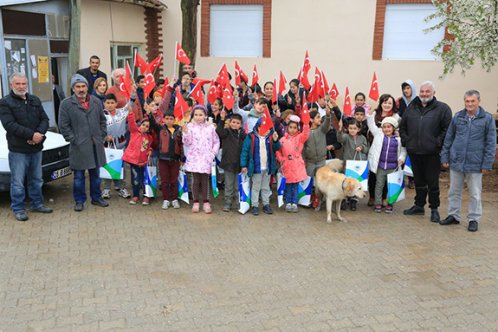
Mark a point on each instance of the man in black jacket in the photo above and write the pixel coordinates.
(422, 130)
(92, 73)
(26, 123)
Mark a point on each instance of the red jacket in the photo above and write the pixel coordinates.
(290, 155)
(137, 152)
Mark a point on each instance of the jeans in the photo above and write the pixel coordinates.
(474, 184)
(426, 169)
(25, 165)
(79, 185)
(290, 193)
(137, 179)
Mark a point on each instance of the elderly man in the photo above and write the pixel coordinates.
(92, 73)
(26, 123)
(469, 151)
(82, 123)
(422, 130)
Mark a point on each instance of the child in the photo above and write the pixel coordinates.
(315, 148)
(137, 154)
(116, 133)
(359, 101)
(170, 151)
(258, 160)
(202, 143)
(251, 117)
(290, 157)
(385, 156)
(188, 114)
(231, 139)
(354, 147)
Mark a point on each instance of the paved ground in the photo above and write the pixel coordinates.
(127, 268)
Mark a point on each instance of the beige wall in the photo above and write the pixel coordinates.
(104, 22)
(339, 37)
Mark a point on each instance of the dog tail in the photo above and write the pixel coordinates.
(336, 165)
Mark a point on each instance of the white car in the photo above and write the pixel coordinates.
(55, 159)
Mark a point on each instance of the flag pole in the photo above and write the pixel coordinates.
(134, 63)
(174, 64)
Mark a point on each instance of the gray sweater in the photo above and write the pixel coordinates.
(349, 145)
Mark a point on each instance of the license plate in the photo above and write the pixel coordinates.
(61, 172)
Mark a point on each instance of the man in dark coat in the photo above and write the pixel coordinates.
(422, 130)
(92, 73)
(26, 123)
(82, 123)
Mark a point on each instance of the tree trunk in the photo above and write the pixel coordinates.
(74, 39)
(189, 30)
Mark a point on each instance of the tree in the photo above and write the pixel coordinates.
(472, 27)
(189, 29)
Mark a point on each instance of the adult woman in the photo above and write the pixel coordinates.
(100, 88)
(117, 74)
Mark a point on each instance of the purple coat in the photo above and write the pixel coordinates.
(201, 145)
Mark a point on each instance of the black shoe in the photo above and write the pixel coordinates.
(473, 225)
(78, 207)
(435, 216)
(42, 209)
(100, 203)
(414, 211)
(255, 211)
(450, 220)
(344, 205)
(352, 205)
(21, 215)
(267, 209)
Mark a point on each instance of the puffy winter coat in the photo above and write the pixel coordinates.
(137, 152)
(250, 156)
(232, 141)
(290, 155)
(202, 145)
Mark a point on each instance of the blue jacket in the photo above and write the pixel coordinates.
(470, 145)
(249, 157)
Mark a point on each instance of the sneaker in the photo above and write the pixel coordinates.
(165, 205)
(267, 209)
(255, 211)
(389, 209)
(288, 207)
(21, 215)
(206, 207)
(378, 208)
(227, 206)
(106, 193)
(42, 209)
(414, 211)
(78, 207)
(294, 208)
(176, 204)
(100, 203)
(134, 201)
(195, 207)
(344, 205)
(145, 201)
(371, 202)
(124, 193)
(473, 226)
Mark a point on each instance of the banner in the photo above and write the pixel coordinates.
(395, 186)
(114, 169)
(244, 192)
(358, 169)
(150, 181)
(304, 191)
(183, 186)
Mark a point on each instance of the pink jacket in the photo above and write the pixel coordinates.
(290, 156)
(201, 145)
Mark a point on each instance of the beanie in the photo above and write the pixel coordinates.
(77, 78)
(392, 121)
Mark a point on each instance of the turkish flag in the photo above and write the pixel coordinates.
(125, 85)
(165, 86)
(317, 87)
(243, 76)
(228, 97)
(347, 104)
(274, 94)
(334, 92)
(374, 89)
(212, 93)
(266, 122)
(150, 83)
(181, 105)
(181, 55)
(255, 76)
(281, 84)
(197, 93)
(237, 73)
(305, 114)
(303, 79)
(307, 63)
(141, 63)
(312, 96)
(325, 84)
(155, 64)
(222, 77)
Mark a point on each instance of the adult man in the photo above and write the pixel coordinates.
(26, 123)
(422, 132)
(82, 123)
(185, 87)
(469, 151)
(92, 73)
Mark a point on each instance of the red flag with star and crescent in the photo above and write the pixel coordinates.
(266, 122)
(155, 63)
(325, 84)
(281, 84)
(255, 76)
(228, 97)
(334, 92)
(181, 105)
(305, 113)
(197, 93)
(223, 77)
(374, 88)
(165, 86)
(303, 79)
(347, 104)
(125, 85)
(181, 55)
(212, 93)
(150, 83)
(141, 63)
(238, 72)
(307, 63)
(274, 94)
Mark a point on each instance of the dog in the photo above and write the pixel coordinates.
(336, 187)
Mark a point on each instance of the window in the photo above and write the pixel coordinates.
(404, 36)
(121, 53)
(229, 31)
(236, 28)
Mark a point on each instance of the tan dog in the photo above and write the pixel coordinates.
(336, 186)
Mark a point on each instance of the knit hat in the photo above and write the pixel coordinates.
(201, 107)
(392, 121)
(77, 78)
(294, 118)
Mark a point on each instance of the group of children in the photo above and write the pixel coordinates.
(295, 148)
